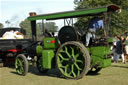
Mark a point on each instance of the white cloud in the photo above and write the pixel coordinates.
(12, 8)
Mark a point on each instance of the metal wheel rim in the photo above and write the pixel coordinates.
(19, 65)
(74, 60)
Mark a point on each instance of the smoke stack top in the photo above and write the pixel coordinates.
(32, 14)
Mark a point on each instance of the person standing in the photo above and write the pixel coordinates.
(119, 49)
(95, 24)
(126, 47)
(113, 47)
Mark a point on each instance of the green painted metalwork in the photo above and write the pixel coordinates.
(69, 14)
(76, 13)
(100, 62)
(47, 58)
(100, 51)
(99, 56)
(50, 42)
(70, 61)
(39, 50)
(19, 64)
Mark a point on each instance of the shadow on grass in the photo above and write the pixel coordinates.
(14, 72)
(50, 73)
(120, 66)
(92, 74)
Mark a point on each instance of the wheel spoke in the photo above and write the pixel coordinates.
(70, 73)
(62, 51)
(73, 71)
(21, 69)
(78, 73)
(60, 56)
(66, 50)
(72, 52)
(66, 59)
(62, 70)
(16, 64)
(20, 62)
(62, 66)
(61, 61)
(77, 55)
(68, 54)
(66, 68)
(78, 67)
(79, 61)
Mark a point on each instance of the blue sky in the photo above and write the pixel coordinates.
(17, 10)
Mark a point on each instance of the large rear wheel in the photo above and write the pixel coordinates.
(73, 60)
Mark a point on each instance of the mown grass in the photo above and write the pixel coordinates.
(117, 74)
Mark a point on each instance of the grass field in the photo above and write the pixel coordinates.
(117, 74)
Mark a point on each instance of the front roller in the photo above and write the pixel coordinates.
(21, 64)
(73, 60)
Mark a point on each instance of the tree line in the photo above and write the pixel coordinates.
(119, 21)
(25, 24)
(50, 26)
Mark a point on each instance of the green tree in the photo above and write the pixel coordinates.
(118, 21)
(50, 26)
(1, 25)
(26, 25)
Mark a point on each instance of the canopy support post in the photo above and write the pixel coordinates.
(33, 28)
(68, 22)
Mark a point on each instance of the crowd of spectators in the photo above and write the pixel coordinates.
(120, 48)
